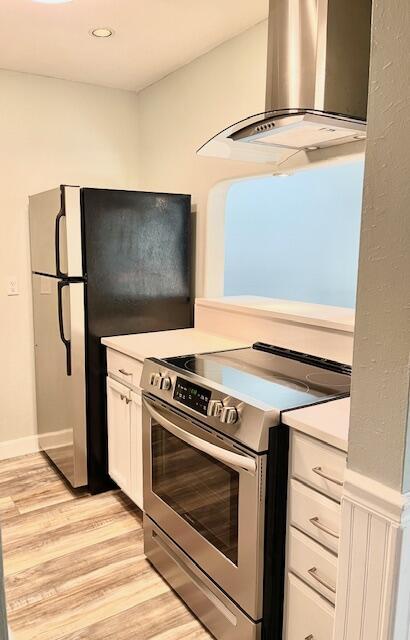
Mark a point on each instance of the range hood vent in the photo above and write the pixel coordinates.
(317, 82)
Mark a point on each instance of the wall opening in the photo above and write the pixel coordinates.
(295, 237)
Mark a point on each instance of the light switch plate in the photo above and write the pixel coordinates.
(13, 287)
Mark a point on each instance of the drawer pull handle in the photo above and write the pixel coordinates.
(127, 400)
(313, 572)
(311, 637)
(319, 471)
(124, 373)
(316, 523)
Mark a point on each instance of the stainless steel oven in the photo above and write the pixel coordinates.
(207, 493)
(215, 478)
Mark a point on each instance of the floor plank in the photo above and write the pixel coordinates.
(47, 534)
(75, 567)
(8, 509)
(161, 618)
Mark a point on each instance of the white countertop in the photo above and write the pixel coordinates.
(162, 344)
(328, 422)
(338, 318)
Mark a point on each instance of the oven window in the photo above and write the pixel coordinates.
(202, 490)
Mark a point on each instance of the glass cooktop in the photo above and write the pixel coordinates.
(281, 379)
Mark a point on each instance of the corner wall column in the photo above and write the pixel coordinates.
(373, 600)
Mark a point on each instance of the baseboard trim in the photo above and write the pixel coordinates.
(55, 439)
(19, 447)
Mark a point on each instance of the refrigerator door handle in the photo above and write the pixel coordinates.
(65, 341)
(60, 215)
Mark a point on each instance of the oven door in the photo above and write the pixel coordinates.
(208, 495)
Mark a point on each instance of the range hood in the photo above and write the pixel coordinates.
(317, 83)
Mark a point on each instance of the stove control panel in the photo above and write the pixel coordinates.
(192, 396)
(195, 397)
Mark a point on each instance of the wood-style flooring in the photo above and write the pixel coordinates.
(74, 564)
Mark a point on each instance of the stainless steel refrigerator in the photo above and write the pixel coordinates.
(104, 262)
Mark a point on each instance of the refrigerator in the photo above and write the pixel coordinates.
(104, 262)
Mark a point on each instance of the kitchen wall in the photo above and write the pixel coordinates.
(295, 238)
(182, 111)
(51, 132)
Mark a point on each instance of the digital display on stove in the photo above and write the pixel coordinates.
(192, 396)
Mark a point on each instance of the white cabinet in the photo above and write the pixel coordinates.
(312, 563)
(315, 488)
(315, 514)
(308, 615)
(124, 417)
(119, 434)
(136, 450)
(124, 369)
(318, 465)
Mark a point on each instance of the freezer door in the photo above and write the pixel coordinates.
(60, 374)
(55, 232)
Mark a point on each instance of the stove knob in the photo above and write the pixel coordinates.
(155, 379)
(214, 408)
(165, 383)
(229, 415)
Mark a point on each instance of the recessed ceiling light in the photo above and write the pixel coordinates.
(102, 32)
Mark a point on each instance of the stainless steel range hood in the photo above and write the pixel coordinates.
(317, 82)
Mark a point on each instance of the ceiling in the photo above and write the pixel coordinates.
(152, 37)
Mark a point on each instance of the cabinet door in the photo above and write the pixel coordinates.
(119, 434)
(136, 450)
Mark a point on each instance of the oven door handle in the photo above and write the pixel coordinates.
(234, 459)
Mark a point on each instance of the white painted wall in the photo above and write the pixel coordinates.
(381, 371)
(51, 132)
(181, 112)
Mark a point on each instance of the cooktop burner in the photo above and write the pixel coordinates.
(279, 378)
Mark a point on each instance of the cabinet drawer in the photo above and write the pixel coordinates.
(318, 464)
(314, 564)
(315, 514)
(124, 368)
(308, 616)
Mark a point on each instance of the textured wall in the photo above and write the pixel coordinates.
(380, 394)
